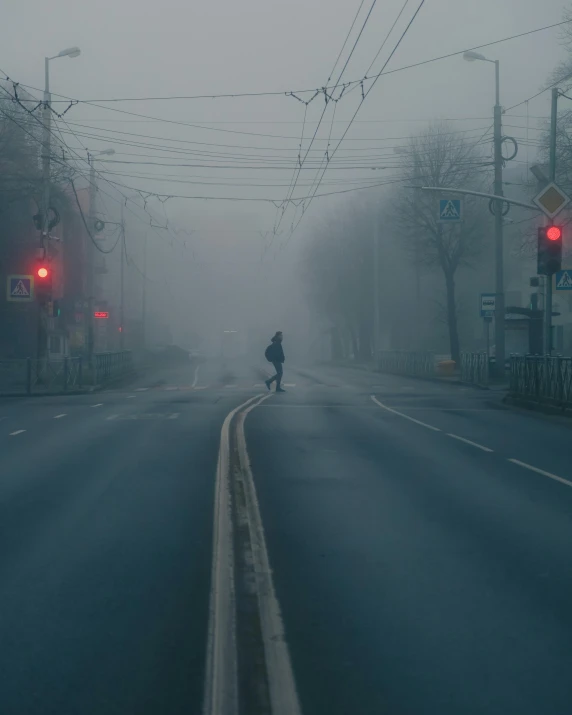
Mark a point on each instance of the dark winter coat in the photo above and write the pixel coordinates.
(274, 352)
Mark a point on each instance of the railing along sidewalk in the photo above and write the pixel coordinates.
(475, 368)
(542, 379)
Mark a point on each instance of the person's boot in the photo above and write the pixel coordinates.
(279, 389)
(267, 383)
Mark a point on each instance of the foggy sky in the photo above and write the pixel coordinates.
(142, 49)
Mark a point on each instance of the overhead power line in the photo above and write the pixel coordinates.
(329, 88)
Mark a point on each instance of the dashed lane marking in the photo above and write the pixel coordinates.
(99, 404)
(411, 419)
(18, 431)
(141, 389)
(112, 417)
(541, 471)
(129, 397)
(58, 417)
(468, 441)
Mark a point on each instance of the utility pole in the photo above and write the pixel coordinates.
(376, 291)
(90, 261)
(45, 219)
(122, 283)
(499, 250)
(551, 177)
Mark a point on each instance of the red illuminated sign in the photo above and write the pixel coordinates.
(101, 314)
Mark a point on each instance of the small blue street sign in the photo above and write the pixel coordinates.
(488, 304)
(564, 279)
(450, 210)
(20, 289)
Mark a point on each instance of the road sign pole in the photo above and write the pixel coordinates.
(548, 282)
(499, 251)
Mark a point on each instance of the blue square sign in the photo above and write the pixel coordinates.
(450, 210)
(20, 289)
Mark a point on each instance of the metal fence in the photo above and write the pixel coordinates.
(542, 379)
(404, 362)
(475, 368)
(30, 376)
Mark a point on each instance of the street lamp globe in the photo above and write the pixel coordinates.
(70, 52)
(471, 56)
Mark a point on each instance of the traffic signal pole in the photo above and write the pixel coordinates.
(89, 267)
(552, 177)
(499, 250)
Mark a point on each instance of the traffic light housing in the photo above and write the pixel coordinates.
(43, 282)
(549, 250)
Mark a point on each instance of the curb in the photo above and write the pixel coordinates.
(533, 406)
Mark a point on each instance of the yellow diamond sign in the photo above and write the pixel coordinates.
(551, 200)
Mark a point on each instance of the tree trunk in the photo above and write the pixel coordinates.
(452, 317)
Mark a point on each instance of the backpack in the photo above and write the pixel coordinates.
(268, 352)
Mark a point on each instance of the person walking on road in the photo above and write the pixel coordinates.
(274, 353)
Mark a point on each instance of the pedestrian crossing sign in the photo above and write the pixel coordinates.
(20, 289)
(564, 280)
(450, 210)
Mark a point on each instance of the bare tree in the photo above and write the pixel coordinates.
(440, 157)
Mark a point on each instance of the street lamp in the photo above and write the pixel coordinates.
(46, 148)
(471, 56)
(69, 52)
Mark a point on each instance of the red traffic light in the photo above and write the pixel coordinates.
(554, 233)
(43, 272)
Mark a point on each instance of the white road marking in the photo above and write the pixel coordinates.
(112, 417)
(18, 431)
(173, 415)
(289, 384)
(468, 441)
(541, 471)
(283, 693)
(99, 404)
(141, 389)
(196, 376)
(130, 397)
(407, 417)
(172, 387)
(230, 385)
(57, 417)
(201, 387)
(221, 694)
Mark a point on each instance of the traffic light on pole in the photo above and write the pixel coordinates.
(549, 250)
(43, 282)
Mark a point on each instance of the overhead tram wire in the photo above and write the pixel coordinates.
(327, 99)
(403, 34)
(282, 93)
(79, 158)
(375, 58)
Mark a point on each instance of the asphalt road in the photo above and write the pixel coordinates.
(417, 568)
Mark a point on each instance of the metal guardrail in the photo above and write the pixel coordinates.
(110, 366)
(475, 368)
(404, 362)
(30, 376)
(542, 379)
